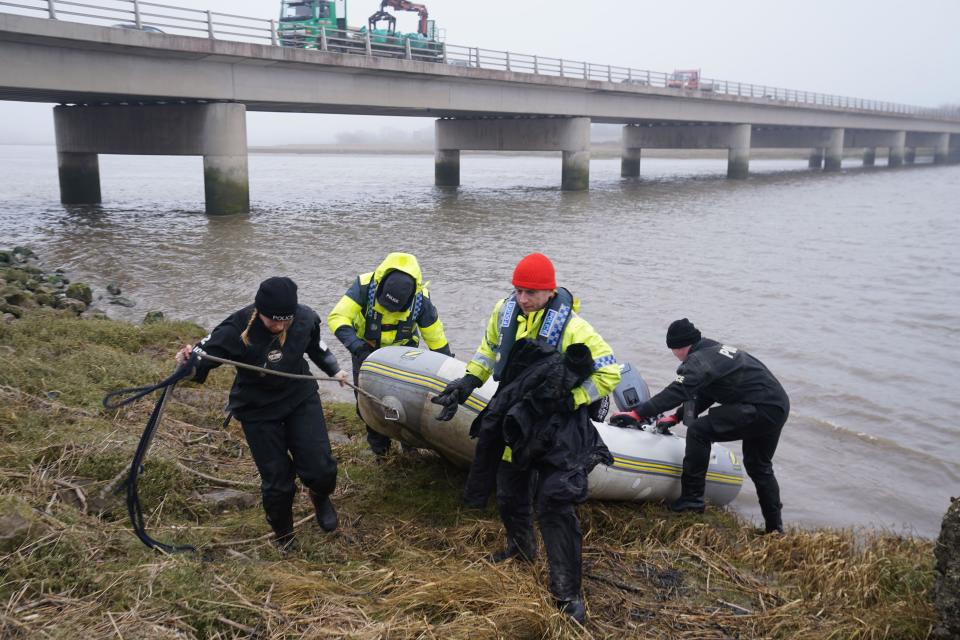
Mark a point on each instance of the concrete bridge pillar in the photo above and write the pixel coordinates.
(897, 145)
(79, 178)
(941, 152)
(218, 132)
(833, 157)
(816, 159)
(630, 155)
(953, 154)
(738, 154)
(571, 136)
(446, 167)
(869, 156)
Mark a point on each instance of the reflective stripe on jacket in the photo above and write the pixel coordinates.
(606, 375)
(348, 319)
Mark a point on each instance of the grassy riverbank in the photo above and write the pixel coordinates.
(407, 561)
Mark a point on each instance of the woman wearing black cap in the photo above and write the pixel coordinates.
(281, 417)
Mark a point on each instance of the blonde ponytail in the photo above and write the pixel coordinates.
(245, 337)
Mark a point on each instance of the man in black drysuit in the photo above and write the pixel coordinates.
(552, 449)
(282, 418)
(753, 408)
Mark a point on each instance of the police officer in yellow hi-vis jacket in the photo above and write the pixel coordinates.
(389, 306)
(535, 440)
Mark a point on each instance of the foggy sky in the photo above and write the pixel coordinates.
(877, 49)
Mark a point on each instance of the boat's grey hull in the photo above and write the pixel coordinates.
(646, 465)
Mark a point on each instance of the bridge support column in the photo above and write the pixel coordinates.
(226, 184)
(953, 155)
(571, 136)
(897, 143)
(79, 178)
(816, 159)
(446, 167)
(833, 158)
(738, 154)
(630, 154)
(869, 156)
(575, 173)
(218, 132)
(941, 152)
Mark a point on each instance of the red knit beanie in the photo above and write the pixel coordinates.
(535, 271)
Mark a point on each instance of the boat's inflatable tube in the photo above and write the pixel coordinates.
(646, 464)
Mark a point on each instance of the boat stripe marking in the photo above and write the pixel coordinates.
(621, 461)
(427, 382)
(673, 471)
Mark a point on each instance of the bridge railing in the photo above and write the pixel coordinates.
(149, 16)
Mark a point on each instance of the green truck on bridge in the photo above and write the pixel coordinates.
(322, 24)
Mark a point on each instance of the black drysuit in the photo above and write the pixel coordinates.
(282, 418)
(753, 408)
(553, 450)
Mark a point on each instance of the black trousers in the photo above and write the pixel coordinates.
(378, 442)
(294, 445)
(759, 427)
(553, 493)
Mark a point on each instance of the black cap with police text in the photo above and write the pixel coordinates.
(277, 298)
(396, 291)
(682, 333)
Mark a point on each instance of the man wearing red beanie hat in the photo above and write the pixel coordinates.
(536, 331)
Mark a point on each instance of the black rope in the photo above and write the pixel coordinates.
(135, 393)
(134, 507)
(133, 497)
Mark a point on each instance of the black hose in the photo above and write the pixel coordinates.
(133, 497)
(135, 393)
(134, 507)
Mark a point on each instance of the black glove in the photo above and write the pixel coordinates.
(454, 394)
(627, 419)
(664, 424)
(362, 351)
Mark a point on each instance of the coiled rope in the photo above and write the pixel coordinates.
(120, 397)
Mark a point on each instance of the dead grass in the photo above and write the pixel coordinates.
(408, 560)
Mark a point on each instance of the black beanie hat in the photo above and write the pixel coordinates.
(277, 298)
(396, 290)
(682, 333)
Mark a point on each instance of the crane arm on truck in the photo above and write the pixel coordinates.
(399, 5)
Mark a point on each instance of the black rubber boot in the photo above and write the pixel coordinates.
(326, 513)
(279, 511)
(772, 522)
(685, 504)
(525, 551)
(282, 526)
(574, 609)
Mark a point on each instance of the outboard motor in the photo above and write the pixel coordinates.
(632, 389)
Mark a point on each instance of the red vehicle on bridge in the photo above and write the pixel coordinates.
(688, 79)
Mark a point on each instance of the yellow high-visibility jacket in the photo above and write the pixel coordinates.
(348, 319)
(606, 374)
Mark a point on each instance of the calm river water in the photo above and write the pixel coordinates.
(845, 285)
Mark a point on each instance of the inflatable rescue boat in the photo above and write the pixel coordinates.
(646, 466)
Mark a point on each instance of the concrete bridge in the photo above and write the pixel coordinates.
(125, 91)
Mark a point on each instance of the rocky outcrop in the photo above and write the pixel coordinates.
(946, 591)
(17, 523)
(228, 499)
(24, 285)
